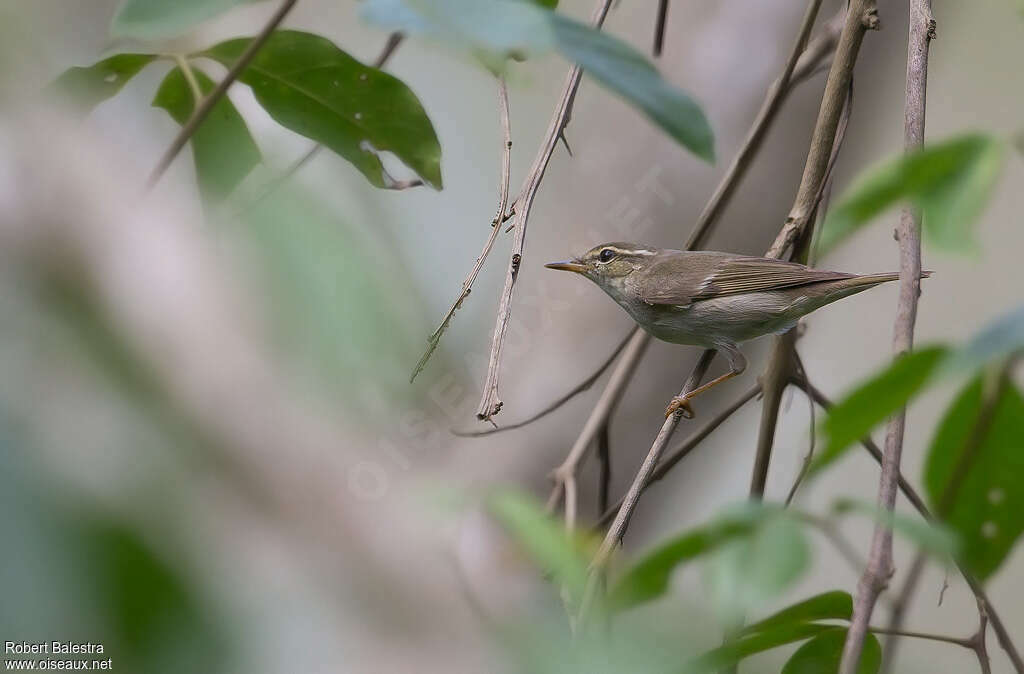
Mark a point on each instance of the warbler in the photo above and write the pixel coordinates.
(709, 299)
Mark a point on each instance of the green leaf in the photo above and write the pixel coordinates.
(934, 539)
(823, 653)
(86, 87)
(835, 605)
(222, 147)
(950, 182)
(988, 509)
(152, 19)
(876, 399)
(733, 651)
(547, 4)
(996, 341)
(744, 573)
(543, 538)
(497, 29)
(649, 578)
(625, 71)
(315, 89)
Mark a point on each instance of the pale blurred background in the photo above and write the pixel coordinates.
(260, 438)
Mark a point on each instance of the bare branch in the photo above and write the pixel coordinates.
(499, 217)
(206, 105)
(880, 565)
(490, 402)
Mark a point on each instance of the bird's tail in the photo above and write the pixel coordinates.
(855, 284)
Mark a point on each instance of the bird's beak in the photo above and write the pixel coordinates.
(567, 265)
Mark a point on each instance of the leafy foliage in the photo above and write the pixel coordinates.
(823, 652)
(86, 87)
(996, 341)
(151, 19)
(497, 29)
(988, 509)
(314, 88)
(950, 182)
(871, 402)
(765, 533)
(732, 652)
(222, 147)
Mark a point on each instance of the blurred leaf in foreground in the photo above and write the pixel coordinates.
(996, 341)
(950, 182)
(544, 539)
(935, 539)
(497, 29)
(86, 87)
(987, 506)
(222, 147)
(873, 401)
(835, 605)
(315, 89)
(151, 19)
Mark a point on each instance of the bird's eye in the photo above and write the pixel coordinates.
(606, 255)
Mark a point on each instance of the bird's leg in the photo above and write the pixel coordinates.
(737, 364)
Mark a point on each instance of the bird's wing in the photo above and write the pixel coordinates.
(740, 275)
(707, 277)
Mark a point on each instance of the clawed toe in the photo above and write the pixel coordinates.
(679, 404)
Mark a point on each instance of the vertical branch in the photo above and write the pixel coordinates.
(880, 565)
(659, 27)
(490, 402)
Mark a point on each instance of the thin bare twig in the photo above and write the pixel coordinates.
(659, 27)
(908, 491)
(604, 461)
(805, 467)
(880, 564)
(490, 402)
(551, 407)
(499, 217)
(206, 105)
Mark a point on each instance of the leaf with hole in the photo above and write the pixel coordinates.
(824, 652)
(497, 29)
(315, 89)
(85, 87)
(835, 605)
(873, 401)
(982, 497)
(222, 147)
(153, 19)
(950, 182)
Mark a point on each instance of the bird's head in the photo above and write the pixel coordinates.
(609, 263)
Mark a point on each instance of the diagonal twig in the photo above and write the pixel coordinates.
(496, 222)
(206, 105)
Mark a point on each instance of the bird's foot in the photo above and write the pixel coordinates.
(679, 404)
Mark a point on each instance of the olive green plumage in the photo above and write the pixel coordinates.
(714, 300)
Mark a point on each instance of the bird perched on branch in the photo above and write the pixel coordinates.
(713, 300)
